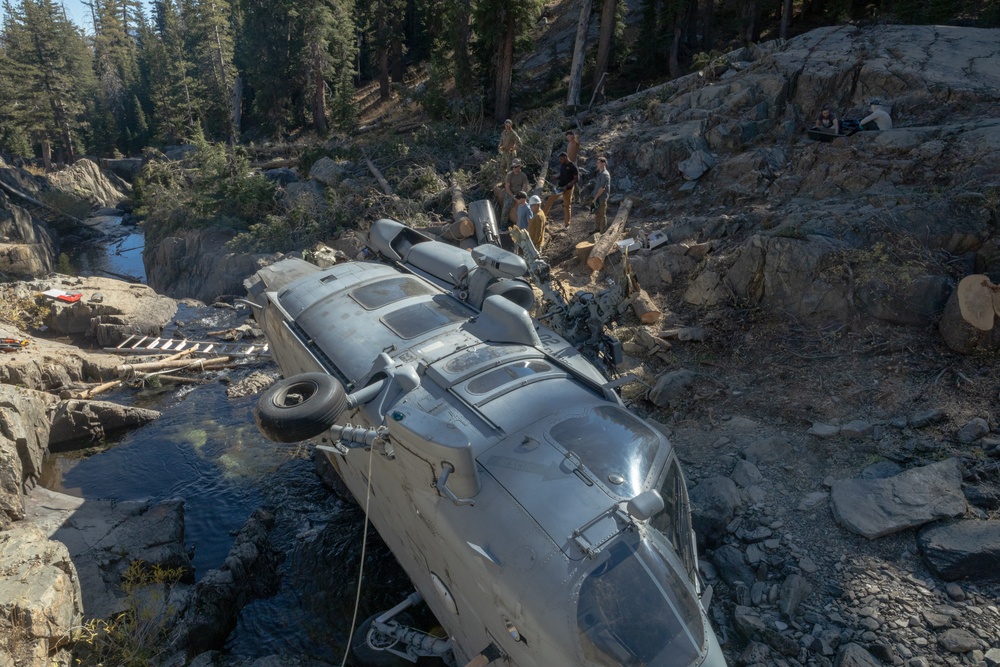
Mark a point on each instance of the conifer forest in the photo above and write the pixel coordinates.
(250, 70)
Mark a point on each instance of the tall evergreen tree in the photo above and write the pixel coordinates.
(210, 44)
(173, 91)
(498, 25)
(50, 68)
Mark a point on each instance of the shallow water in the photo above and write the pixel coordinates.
(120, 254)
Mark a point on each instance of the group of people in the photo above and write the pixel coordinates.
(827, 120)
(530, 213)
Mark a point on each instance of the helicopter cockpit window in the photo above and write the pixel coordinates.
(613, 444)
(635, 611)
(498, 377)
(383, 292)
(420, 318)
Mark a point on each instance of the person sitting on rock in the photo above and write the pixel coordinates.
(878, 115)
(827, 121)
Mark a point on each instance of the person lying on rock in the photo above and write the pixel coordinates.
(827, 121)
(878, 115)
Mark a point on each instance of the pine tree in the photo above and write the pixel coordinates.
(210, 44)
(51, 75)
(173, 91)
(116, 22)
(498, 25)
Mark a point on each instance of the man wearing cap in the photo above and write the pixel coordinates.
(568, 176)
(602, 188)
(509, 142)
(515, 181)
(879, 115)
(536, 225)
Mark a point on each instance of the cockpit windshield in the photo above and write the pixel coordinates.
(612, 443)
(635, 611)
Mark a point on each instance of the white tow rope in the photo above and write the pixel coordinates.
(361, 570)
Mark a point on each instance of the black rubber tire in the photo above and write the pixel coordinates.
(300, 407)
(365, 656)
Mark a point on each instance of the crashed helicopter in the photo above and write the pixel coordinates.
(542, 523)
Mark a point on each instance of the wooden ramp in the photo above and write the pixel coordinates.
(136, 344)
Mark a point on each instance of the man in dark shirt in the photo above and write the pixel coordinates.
(568, 176)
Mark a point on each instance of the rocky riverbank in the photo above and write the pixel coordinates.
(72, 567)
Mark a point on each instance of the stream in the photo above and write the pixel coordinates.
(206, 449)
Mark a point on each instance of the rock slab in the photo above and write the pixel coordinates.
(962, 549)
(877, 507)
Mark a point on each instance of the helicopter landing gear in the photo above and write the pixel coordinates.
(384, 640)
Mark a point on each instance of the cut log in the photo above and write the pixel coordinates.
(462, 226)
(645, 308)
(583, 249)
(386, 188)
(606, 243)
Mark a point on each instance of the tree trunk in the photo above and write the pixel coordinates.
(604, 43)
(396, 65)
(460, 47)
(382, 46)
(706, 31)
(691, 27)
(238, 103)
(579, 49)
(505, 70)
(786, 17)
(675, 66)
(319, 90)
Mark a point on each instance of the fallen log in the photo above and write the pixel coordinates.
(542, 174)
(180, 379)
(386, 188)
(94, 391)
(606, 243)
(583, 250)
(645, 308)
(462, 226)
(126, 370)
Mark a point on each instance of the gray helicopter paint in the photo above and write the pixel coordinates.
(511, 557)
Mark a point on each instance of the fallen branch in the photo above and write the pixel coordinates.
(607, 241)
(180, 379)
(34, 202)
(386, 188)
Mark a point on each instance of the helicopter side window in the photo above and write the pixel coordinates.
(498, 377)
(612, 443)
(674, 522)
(667, 521)
(383, 292)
